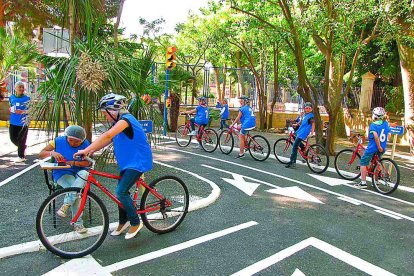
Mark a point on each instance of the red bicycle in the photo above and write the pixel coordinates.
(207, 137)
(315, 155)
(384, 172)
(258, 146)
(163, 206)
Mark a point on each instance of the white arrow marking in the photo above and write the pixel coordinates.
(350, 259)
(298, 273)
(83, 266)
(239, 182)
(331, 181)
(295, 192)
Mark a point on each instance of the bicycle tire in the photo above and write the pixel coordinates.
(173, 189)
(381, 185)
(62, 244)
(226, 142)
(209, 140)
(345, 169)
(313, 159)
(262, 148)
(280, 150)
(181, 136)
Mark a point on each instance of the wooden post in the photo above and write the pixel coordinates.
(394, 145)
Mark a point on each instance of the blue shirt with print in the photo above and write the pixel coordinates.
(305, 127)
(132, 152)
(248, 119)
(224, 112)
(202, 115)
(19, 103)
(382, 129)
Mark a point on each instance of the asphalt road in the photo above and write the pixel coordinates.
(268, 220)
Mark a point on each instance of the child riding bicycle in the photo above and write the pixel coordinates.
(377, 142)
(62, 149)
(132, 153)
(305, 130)
(248, 122)
(202, 115)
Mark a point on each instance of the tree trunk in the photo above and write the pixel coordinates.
(218, 87)
(275, 83)
(2, 20)
(174, 111)
(224, 82)
(331, 133)
(240, 78)
(407, 72)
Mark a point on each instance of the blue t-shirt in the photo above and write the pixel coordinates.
(224, 112)
(63, 147)
(305, 126)
(19, 103)
(132, 152)
(382, 129)
(202, 115)
(248, 119)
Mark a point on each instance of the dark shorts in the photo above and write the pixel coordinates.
(367, 157)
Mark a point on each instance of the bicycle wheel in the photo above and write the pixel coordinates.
(182, 137)
(281, 150)
(58, 235)
(317, 158)
(167, 210)
(226, 142)
(259, 148)
(386, 176)
(209, 140)
(347, 165)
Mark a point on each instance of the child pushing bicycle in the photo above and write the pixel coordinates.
(248, 122)
(132, 153)
(377, 142)
(305, 130)
(62, 149)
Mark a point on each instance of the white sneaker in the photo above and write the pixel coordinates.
(63, 211)
(192, 133)
(80, 229)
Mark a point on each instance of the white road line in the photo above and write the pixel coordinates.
(214, 195)
(355, 202)
(178, 247)
(7, 180)
(295, 181)
(388, 214)
(346, 257)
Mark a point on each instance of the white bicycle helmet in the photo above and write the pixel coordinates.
(202, 99)
(245, 99)
(112, 102)
(378, 113)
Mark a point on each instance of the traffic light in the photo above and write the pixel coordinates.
(168, 103)
(171, 62)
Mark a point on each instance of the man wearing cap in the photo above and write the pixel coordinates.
(62, 149)
(306, 129)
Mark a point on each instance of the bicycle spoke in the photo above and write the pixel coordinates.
(57, 233)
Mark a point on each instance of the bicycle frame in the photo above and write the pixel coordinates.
(291, 140)
(92, 181)
(200, 129)
(247, 137)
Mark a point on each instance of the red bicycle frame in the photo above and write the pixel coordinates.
(200, 128)
(236, 131)
(92, 180)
